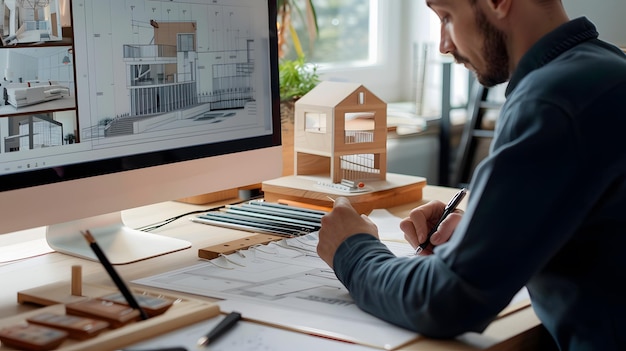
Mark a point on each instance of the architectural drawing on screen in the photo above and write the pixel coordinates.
(184, 63)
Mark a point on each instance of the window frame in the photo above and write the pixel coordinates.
(379, 73)
(402, 27)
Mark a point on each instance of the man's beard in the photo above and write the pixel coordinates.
(494, 52)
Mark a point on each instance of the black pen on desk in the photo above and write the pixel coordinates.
(223, 326)
(450, 207)
(113, 274)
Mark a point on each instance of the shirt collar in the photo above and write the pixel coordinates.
(551, 46)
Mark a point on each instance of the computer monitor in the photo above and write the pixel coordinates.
(108, 105)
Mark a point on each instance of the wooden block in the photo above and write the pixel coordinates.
(211, 197)
(304, 205)
(77, 280)
(226, 248)
(79, 328)
(117, 315)
(57, 293)
(152, 305)
(228, 194)
(32, 337)
(185, 311)
(396, 189)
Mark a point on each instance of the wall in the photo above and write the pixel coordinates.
(414, 154)
(608, 16)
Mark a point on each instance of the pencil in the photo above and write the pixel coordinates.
(113, 274)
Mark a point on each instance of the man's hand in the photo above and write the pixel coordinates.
(343, 221)
(423, 218)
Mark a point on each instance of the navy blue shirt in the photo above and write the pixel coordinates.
(547, 210)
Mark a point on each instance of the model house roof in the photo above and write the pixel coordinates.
(331, 94)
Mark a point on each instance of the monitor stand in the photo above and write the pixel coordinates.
(120, 243)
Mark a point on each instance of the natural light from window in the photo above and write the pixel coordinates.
(380, 44)
(348, 32)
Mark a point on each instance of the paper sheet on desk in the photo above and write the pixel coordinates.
(245, 336)
(286, 285)
(388, 225)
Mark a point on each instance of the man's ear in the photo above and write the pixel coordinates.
(499, 8)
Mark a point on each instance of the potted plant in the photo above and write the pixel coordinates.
(285, 10)
(297, 77)
(70, 138)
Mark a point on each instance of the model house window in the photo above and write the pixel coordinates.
(359, 126)
(315, 122)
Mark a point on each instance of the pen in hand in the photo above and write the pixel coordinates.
(224, 325)
(450, 207)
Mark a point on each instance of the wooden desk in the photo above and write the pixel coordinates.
(519, 331)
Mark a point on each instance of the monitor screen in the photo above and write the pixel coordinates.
(108, 105)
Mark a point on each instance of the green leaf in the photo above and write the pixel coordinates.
(296, 78)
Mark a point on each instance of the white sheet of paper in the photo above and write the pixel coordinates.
(388, 225)
(245, 336)
(286, 285)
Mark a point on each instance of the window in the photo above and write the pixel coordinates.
(315, 122)
(346, 34)
(378, 43)
(364, 44)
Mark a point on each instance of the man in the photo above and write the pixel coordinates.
(547, 207)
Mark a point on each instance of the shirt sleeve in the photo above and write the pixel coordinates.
(505, 236)
(403, 290)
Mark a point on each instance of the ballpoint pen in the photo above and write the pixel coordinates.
(224, 325)
(450, 207)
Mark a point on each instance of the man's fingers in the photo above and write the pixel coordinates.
(446, 228)
(341, 201)
(410, 234)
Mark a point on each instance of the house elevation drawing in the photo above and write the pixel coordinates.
(184, 63)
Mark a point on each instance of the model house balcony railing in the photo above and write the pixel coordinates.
(148, 51)
(358, 136)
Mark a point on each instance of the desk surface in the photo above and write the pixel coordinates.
(520, 330)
